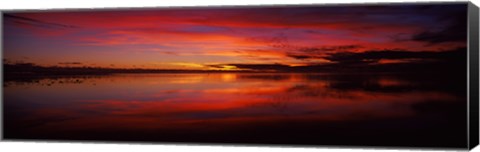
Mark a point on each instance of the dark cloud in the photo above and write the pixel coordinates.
(303, 53)
(216, 66)
(70, 63)
(261, 67)
(373, 56)
(299, 57)
(35, 22)
(328, 48)
(368, 61)
(455, 31)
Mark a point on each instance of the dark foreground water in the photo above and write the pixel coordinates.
(306, 109)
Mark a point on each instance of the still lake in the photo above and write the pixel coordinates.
(266, 108)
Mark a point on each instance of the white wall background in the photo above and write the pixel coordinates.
(89, 147)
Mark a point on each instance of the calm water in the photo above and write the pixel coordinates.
(327, 109)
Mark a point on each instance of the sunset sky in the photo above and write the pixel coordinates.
(225, 38)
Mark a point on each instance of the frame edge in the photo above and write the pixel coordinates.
(473, 86)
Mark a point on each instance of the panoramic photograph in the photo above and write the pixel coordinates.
(311, 75)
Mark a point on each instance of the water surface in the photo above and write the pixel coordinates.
(269, 108)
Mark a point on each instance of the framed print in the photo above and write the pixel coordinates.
(374, 75)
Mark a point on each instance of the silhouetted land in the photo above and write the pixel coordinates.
(445, 64)
(29, 71)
